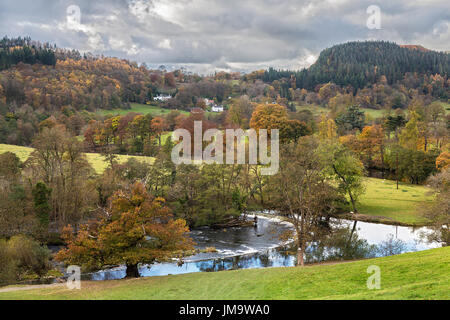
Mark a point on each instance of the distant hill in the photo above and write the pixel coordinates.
(49, 78)
(363, 63)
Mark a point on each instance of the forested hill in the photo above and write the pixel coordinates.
(45, 77)
(14, 51)
(359, 64)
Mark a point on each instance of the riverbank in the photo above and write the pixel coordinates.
(419, 275)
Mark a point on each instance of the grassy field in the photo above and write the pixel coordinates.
(95, 159)
(420, 275)
(139, 108)
(447, 107)
(318, 110)
(383, 199)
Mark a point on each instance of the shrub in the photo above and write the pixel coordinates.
(22, 257)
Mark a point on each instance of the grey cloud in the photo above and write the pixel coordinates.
(223, 34)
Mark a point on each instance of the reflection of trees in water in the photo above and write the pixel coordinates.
(340, 243)
(392, 246)
(271, 258)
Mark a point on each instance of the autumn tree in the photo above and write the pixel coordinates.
(443, 161)
(159, 126)
(240, 112)
(301, 192)
(327, 129)
(372, 146)
(275, 116)
(268, 116)
(59, 162)
(137, 229)
(410, 136)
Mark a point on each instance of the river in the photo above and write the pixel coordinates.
(260, 247)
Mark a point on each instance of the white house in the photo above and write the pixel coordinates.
(163, 97)
(209, 102)
(217, 109)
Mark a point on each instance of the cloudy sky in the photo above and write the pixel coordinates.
(232, 35)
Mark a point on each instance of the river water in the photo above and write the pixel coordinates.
(260, 247)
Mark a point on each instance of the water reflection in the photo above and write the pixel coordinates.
(249, 248)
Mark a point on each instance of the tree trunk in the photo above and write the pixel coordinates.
(132, 271)
(353, 202)
(396, 168)
(351, 234)
(300, 251)
(300, 258)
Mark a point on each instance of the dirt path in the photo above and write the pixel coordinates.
(31, 287)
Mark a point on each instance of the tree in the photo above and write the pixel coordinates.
(9, 166)
(372, 146)
(414, 165)
(301, 192)
(22, 257)
(439, 212)
(345, 169)
(268, 116)
(435, 122)
(394, 124)
(59, 162)
(208, 195)
(138, 229)
(159, 126)
(352, 118)
(275, 116)
(443, 161)
(327, 129)
(42, 208)
(240, 112)
(410, 135)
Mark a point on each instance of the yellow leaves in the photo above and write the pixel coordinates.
(160, 201)
(268, 116)
(410, 135)
(327, 129)
(443, 161)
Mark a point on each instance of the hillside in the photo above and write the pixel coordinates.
(96, 160)
(420, 275)
(360, 64)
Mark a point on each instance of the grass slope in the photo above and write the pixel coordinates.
(318, 110)
(420, 275)
(139, 108)
(95, 159)
(383, 199)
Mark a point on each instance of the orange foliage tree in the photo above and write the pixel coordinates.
(159, 126)
(275, 116)
(138, 229)
(443, 161)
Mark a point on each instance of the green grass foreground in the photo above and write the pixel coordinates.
(420, 275)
